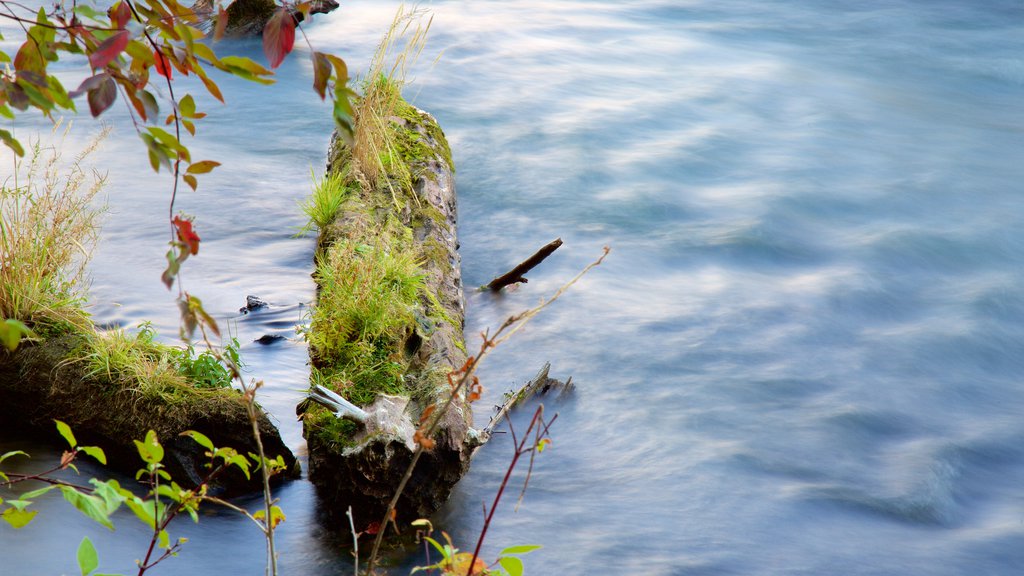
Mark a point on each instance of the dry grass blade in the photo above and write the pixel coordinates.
(47, 231)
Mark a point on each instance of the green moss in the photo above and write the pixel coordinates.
(373, 306)
(336, 433)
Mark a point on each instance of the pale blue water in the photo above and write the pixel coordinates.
(805, 353)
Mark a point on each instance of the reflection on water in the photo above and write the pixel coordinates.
(803, 355)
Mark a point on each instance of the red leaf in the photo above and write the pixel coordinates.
(101, 97)
(163, 67)
(120, 14)
(278, 36)
(90, 83)
(186, 235)
(373, 528)
(321, 73)
(109, 49)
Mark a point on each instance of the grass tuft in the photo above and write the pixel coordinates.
(329, 195)
(48, 227)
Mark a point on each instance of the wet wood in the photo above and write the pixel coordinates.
(517, 274)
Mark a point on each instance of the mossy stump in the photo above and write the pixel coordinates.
(43, 381)
(408, 214)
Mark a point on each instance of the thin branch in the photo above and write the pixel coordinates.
(516, 274)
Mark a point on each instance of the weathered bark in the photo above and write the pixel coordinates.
(42, 382)
(248, 17)
(365, 472)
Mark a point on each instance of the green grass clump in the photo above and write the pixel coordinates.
(47, 231)
(323, 205)
(139, 363)
(367, 304)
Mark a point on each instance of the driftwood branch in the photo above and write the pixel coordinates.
(516, 274)
(541, 384)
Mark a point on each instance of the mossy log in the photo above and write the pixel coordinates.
(40, 382)
(248, 17)
(410, 210)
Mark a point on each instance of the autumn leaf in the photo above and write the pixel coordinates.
(202, 167)
(109, 49)
(120, 14)
(373, 528)
(422, 440)
(426, 413)
(186, 235)
(278, 36)
(90, 83)
(102, 97)
(460, 565)
(163, 66)
(321, 73)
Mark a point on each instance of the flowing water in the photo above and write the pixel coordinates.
(804, 354)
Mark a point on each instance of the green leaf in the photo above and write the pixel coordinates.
(512, 565)
(92, 506)
(242, 463)
(199, 438)
(13, 144)
(32, 494)
(525, 549)
(65, 431)
(96, 452)
(187, 106)
(150, 450)
(245, 65)
(88, 560)
(11, 454)
(164, 539)
(111, 493)
(144, 510)
(19, 504)
(18, 518)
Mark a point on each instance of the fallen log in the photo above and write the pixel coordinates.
(517, 274)
(48, 380)
(249, 17)
(393, 248)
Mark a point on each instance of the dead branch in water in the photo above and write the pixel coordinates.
(516, 274)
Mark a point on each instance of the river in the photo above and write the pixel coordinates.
(804, 354)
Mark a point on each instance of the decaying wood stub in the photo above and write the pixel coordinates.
(363, 469)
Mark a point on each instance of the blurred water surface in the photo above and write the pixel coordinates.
(804, 354)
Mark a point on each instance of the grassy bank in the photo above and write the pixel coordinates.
(112, 386)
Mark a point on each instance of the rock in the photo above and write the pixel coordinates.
(268, 339)
(252, 303)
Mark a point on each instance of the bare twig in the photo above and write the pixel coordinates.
(516, 274)
(355, 539)
(540, 428)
